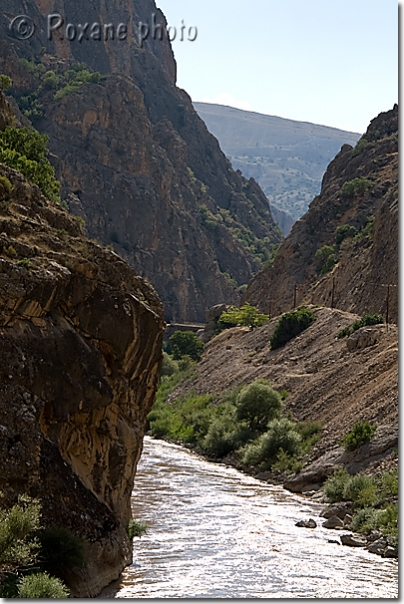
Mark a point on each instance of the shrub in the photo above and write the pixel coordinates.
(359, 147)
(225, 435)
(290, 325)
(25, 262)
(361, 433)
(41, 585)
(258, 404)
(335, 484)
(286, 463)
(354, 187)
(169, 366)
(281, 434)
(361, 489)
(6, 186)
(389, 484)
(25, 150)
(136, 528)
(16, 527)
(186, 343)
(5, 82)
(344, 231)
(246, 316)
(325, 259)
(60, 550)
(368, 319)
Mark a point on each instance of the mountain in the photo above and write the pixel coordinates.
(286, 157)
(344, 251)
(133, 157)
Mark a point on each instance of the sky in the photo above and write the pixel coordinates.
(330, 62)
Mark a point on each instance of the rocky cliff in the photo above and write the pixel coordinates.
(133, 157)
(80, 352)
(359, 190)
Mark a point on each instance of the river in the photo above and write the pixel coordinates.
(216, 533)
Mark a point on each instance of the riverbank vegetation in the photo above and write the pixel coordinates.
(375, 500)
(247, 422)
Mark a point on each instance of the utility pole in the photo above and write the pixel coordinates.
(388, 285)
(332, 294)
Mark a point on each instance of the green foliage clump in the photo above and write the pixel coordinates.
(17, 525)
(360, 434)
(25, 262)
(344, 231)
(367, 231)
(335, 484)
(368, 493)
(245, 316)
(5, 82)
(326, 258)
(25, 150)
(368, 319)
(169, 366)
(359, 147)
(281, 434)
(258, 404)
(41, 585)
(60, 550)
(136, 528)
(186, 343)
(357, 186)
(290, 325)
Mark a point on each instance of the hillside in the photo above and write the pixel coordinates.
(286, 157)
(354, 222)
(332, 381)
(133, 157)
(80, 353)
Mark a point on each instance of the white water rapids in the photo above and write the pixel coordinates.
(216, 533)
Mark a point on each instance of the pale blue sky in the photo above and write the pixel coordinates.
(331, 62)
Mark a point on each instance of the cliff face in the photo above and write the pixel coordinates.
(137, 162)
(80, 354)
(365, 264)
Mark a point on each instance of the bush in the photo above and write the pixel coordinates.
(368, 319)
(246, 316)
(41, 585)
(354, 187)
(335, 484)
(290, 325)
(5, 82)
(361, 489)
(344, 231)
(360, 434)
(281, 434)
(25, 150)
(258, 404)
(186, 343)
(17, 525)
(136, 528)
(325, 259)
(60, 550)
(169, 366)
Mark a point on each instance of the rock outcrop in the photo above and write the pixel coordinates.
(359, 186)
(80, 354)
(136, 161)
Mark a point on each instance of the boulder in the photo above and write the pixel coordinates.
(361, 339)
(310, 523)
(353, 541)
(333, 523)
(378, 546)
(390, 552)
(338, 509)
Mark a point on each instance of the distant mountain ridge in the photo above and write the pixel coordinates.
(287, 158)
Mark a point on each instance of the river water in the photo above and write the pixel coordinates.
(216, 533)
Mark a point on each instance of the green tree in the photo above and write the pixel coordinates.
(5, 82)
(186, 343)
(290, 325)
(325, 258)
(246, 316)
(258, 404)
